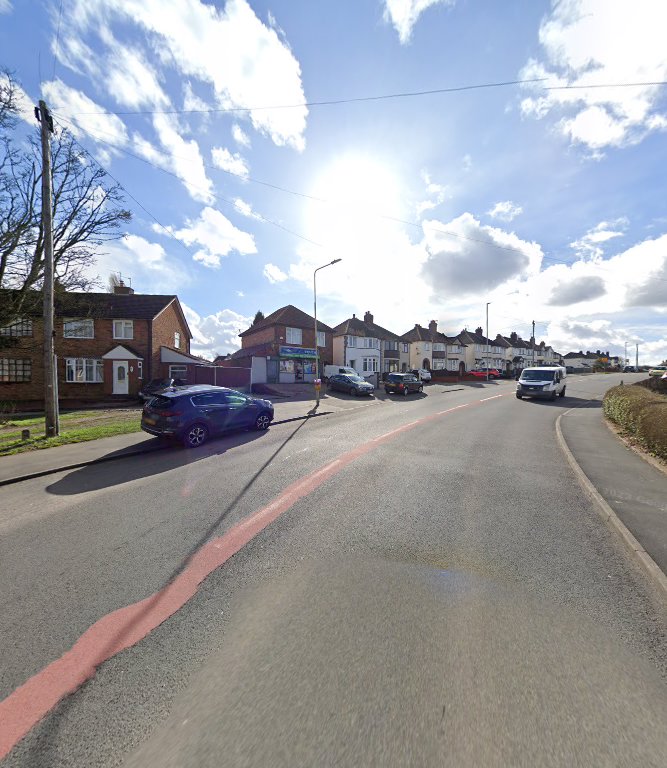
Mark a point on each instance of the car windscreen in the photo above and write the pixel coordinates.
(537, 375)
(350, 377)
(158, 402)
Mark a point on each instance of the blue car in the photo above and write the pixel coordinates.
(192, 414)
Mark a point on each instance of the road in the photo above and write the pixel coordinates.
(437, 591)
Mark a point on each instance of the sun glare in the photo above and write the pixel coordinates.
(358, 191)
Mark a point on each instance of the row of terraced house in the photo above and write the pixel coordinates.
(108, 344)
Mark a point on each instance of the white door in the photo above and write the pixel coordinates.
(120, 383)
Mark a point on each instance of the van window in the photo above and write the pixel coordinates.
(537, 375)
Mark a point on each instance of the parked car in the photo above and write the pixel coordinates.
(332, 370)
(629, 369)
(422, 374)
(402, 384)
(152, 387)
(193, 413)
(350, 383)
(480, 373)
(658, 370)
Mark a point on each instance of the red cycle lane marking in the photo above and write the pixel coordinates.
(125, 627)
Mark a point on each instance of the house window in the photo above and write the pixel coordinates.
(351, 341)
(406, 347)
(391, 346)
(438, 365)
(79, 329)
(123, 329)
(321, 339)
(294, 335)
(178, 371)
(177, 340)
(140, 369)
(455, 348)
(370, 364)
(22, 327)
(438, 347)
(83, 370)
(427, 346)
(453, 365)
(15, 370)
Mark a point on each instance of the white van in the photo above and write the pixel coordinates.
(542, 382)
(332, 370)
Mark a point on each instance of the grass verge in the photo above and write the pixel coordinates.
(76, 427)
(641, 415)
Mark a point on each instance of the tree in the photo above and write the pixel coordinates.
(87, 212)
(259, 316)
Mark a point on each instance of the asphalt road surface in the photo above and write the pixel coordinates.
(418, 581)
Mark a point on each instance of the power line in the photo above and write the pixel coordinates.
(382, 97)
(305, 196)
(176, 176)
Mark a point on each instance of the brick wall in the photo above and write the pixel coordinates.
(262, 336)
(164, 326)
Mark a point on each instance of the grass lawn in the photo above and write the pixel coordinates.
(75, 427)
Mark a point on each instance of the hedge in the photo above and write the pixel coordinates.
(640, 413)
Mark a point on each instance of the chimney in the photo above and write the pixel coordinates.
(354, 317)
(513, 336)
(433, 326)
(479, 330)
(368, 318)
(123, 289)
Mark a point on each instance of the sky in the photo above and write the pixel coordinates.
(452, 153)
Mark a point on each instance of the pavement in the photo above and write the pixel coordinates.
(632, 487)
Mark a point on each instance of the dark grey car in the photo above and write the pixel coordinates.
(353, 385)
(192, 414)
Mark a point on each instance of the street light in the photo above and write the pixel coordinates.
(488, 351)
(317, 352)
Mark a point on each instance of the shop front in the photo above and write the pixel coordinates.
(296, 364)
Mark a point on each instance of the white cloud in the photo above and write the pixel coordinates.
(245, 62)
(245, 209)
(182, 156)
(217, 236)
(234, 164)
(505, 211)
(192, 102)
(597, 42)
(240, 294)
(575, 291)
(84, 116)
(5, 6)
(131, 81)
(215, 334)
(465, 257)
(436, 193)
(590, 244)
(146, 265)
(274, 274)
(403, 14)
(240, 136)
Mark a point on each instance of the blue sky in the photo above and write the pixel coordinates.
(544, 199)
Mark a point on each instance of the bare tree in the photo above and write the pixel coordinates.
(87, 212)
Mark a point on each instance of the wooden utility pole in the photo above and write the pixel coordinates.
(50, 373)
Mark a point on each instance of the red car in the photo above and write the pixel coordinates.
(480, 373)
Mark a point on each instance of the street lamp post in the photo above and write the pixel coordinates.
(317, 351)
(487, 340)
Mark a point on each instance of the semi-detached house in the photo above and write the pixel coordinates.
(106, 346)
(430, 349)
(365, 346)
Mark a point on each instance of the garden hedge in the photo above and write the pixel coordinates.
(640, 413)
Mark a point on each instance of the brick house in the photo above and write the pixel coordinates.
(106, 345)
(281, 348)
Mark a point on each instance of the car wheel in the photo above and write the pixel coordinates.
(406, 392)
(421, 389)
(195, 435)
(386, 391)
(562, 392)
(262, 421)
(519, 397)
(352, 392)
(553, 396)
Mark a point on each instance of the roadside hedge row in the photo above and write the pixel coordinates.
(640, 413)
